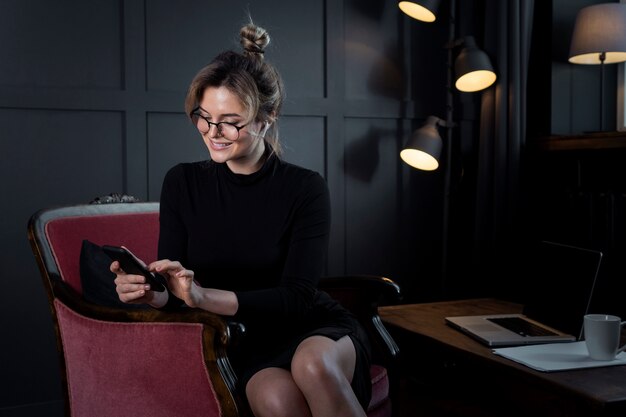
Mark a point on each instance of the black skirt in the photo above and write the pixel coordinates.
(269, 344)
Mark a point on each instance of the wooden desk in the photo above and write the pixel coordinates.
(454, 366)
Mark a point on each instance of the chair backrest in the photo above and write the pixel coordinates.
(58, 233)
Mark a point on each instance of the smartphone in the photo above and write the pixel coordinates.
(131, 265)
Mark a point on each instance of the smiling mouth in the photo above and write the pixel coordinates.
(221, 145)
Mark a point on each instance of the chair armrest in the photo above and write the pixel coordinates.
(362, 294)
(375, 288)
(229, 331)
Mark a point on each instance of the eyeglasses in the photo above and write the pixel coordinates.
(227, 130)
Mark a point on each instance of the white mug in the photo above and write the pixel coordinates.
(602, 336)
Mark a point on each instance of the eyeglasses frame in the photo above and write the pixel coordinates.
(194, 112)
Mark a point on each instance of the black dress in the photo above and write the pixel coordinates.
(265, 237)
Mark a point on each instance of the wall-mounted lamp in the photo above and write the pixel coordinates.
(423, 150)
(472, 67)
(599, 38)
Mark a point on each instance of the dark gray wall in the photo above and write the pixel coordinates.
(91, 102)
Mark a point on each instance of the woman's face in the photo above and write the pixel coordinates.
(243, 156)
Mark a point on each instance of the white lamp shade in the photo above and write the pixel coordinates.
(473, 68)
(598, 29)
(423, 150)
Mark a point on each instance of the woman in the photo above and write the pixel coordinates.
(245, 234)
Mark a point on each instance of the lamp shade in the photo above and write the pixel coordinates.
(473, 68)
(423, 150)
(424, 10)
(598, 29)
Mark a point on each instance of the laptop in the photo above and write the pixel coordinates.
(559, 287)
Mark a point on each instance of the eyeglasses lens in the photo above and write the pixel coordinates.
(201, 124)
(229, 131)
(224, 129)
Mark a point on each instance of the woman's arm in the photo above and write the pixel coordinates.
(181, 284)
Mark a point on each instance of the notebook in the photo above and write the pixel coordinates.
(559, 283)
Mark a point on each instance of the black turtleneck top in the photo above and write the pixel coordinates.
(263, 236)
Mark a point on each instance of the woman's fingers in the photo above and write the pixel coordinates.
(129, 297)
(170, 268)
(115, 267)
(122, 278)
(131, 292)
(165, 265)
(130, 288)
(128, 291)
(185, 273)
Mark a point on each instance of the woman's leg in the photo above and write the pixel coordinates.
(272, 392)
(322, 369)
(318, 384)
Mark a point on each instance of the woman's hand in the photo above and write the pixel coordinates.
(180, 281)
(133, 289)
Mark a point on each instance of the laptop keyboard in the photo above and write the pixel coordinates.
(522, 327)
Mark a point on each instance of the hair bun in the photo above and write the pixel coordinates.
(254, 39)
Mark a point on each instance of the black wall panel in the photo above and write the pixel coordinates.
(182, 37)
(55, 156)
(374, 65)
(173, 139)
(68, 44)
(304, 141)
(372, 196)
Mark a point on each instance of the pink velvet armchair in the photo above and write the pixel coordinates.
(117, 361)
(120, 362)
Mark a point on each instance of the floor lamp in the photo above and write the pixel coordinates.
(599, 37)
(470, 71)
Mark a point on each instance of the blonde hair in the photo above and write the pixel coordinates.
(253, 80)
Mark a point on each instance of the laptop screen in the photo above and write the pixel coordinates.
(560, 286)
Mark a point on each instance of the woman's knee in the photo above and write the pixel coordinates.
(322, 359)
(313, 367)
(275, 394)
